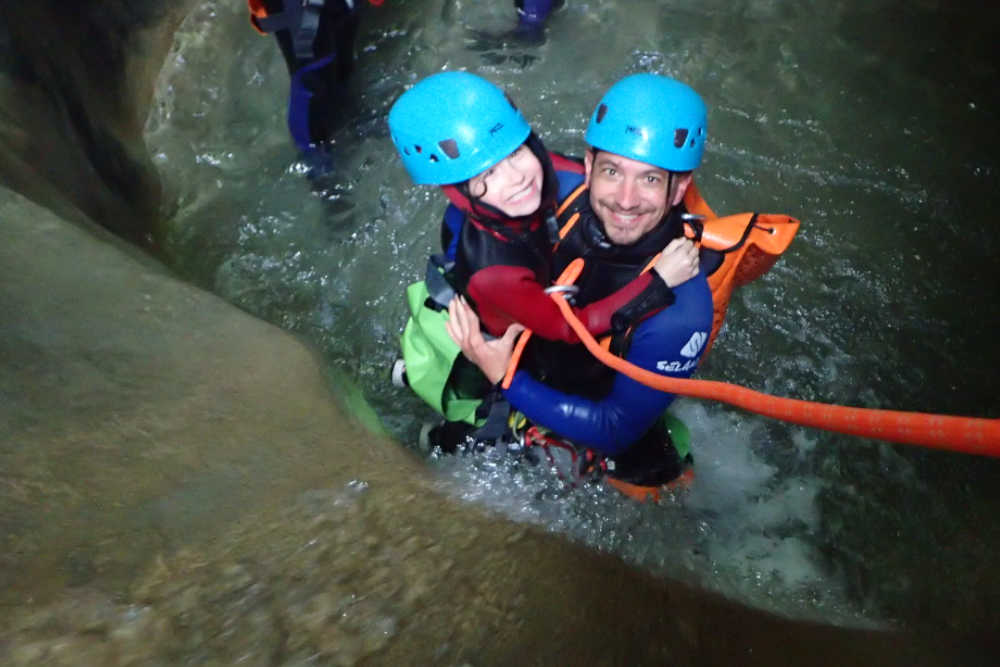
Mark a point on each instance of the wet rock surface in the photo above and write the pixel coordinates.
(346, 576)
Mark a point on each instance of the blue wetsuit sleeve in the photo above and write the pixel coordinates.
(669, 343)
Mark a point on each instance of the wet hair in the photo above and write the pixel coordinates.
(474, 200)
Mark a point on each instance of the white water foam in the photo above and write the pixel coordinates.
(741, 529)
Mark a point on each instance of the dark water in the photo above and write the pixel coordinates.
(872, 122)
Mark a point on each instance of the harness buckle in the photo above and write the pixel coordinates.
(571, 290)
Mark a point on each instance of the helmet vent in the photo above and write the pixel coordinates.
(602, 111)
(450, 148)
(680, 136)
(433, 158)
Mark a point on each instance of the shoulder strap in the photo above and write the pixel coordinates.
(299, 17)
(439, 290)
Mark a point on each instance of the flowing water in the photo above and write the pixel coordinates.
(872, 122)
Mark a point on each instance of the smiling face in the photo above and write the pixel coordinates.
(630, 197)
(513, 185)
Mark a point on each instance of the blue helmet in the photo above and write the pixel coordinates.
(652, 119)
(454, 125)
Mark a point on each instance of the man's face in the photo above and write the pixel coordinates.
(630, 197)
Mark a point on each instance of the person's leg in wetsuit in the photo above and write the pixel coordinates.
(316, 38)
(535, 11)
(531, 17)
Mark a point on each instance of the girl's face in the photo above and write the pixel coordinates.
(513, 185)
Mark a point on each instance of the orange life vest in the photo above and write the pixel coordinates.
(750, 244)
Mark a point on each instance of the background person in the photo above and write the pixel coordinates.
(316, 38)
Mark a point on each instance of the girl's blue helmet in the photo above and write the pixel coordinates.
(454, 125)
(652, 119)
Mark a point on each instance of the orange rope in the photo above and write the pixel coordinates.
(970, 435)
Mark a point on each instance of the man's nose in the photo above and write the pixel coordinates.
(627, 195)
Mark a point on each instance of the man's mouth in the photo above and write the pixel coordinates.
(623, 218)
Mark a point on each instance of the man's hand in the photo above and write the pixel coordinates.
(493, 356)
(678, 262)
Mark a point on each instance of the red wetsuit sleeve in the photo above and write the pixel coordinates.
(506, 294)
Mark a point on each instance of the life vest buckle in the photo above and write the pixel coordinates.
(569, 290)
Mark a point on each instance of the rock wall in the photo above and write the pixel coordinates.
(76, 79)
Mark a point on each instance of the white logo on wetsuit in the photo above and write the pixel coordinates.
(690, 350)
(675, 366)
(694, 344)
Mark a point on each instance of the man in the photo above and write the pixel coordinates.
(646, 137)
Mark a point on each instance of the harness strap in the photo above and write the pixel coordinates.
(567, 277)
(439, 290)
(584, 463)
(305, 36)
(299, 17)
(496, 410)
(571, 198)
(552, 230)
(652, 299)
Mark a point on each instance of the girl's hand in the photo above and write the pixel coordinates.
(491, 356)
